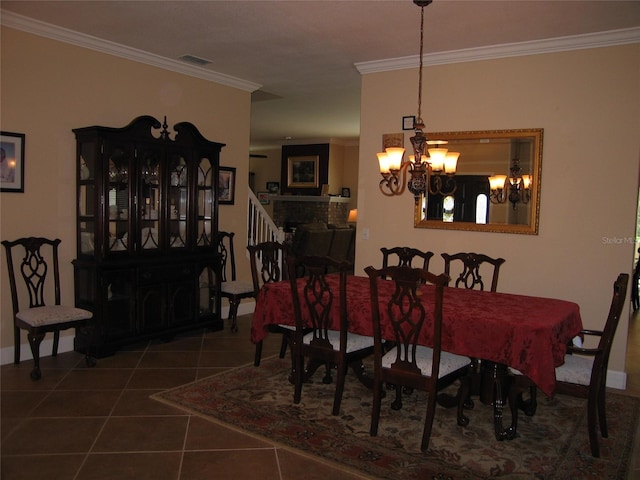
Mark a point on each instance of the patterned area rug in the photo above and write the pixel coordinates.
(551, 445)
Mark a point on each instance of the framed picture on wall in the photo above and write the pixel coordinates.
(273, 188)
(226, 185)
(303, 171)
(346, 192)
(263, 198)
(12, 162)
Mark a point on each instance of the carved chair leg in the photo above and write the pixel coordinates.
(233, 314)
(463, 393)
(56, 341)
(88, 358)
(283, 345)
(397, 403)
(35, 338)
(16, 352)
(258, 355)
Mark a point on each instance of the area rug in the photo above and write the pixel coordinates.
(553, 444)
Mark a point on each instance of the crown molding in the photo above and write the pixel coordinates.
(36, 27)
(551, 45)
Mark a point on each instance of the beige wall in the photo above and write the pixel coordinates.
(49, 88)
(588, 103)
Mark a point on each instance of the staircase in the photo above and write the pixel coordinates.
(261, 227)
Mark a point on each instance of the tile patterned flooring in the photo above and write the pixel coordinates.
(92, 424)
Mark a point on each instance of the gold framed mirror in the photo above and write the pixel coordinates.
(513, 158)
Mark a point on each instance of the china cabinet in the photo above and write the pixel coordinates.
(147, 219)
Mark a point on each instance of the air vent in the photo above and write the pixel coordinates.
(195, 60)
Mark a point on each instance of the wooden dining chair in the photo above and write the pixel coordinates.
(268, 265)
(405, 256)
(233, 290)
(468, 267)
(406, 314)
(471, 264)
(39, 268)
(322, 330)
(584, 371)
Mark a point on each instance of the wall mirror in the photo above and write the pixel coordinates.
(514, 154)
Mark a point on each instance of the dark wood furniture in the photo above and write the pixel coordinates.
(40, 271)
(322, 336)
(147, 222)
(584, 371)
(267, 261)
(408, 363)
(524, 332)
(230, 288)
(472, 263)
(404, 256)
(469, 267)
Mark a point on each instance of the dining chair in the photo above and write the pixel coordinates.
(268, 265)
(39, 268)
(470, 266)
(584, 371)
(321, 333)
(233, 290)
(404, 256)
(406, 314)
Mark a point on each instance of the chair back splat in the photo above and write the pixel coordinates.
(410, 315)
(231, 289)
(41, 284)
(268, 265)
(405, 257)
(470, 276)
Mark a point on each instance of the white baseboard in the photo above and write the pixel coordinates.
(66, 341)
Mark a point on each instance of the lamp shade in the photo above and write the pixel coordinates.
(451, 162)
(437, 156)
(383, 161)
(394, 154)
(526, 181)
(353, 216)
(496, 182)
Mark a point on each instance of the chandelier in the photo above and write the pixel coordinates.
(427, 174)
(518, 188)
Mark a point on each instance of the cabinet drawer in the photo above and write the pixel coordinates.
(161, 274)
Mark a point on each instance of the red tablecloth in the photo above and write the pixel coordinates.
(527, 333)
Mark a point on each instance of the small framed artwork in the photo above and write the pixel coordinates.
(392, 140)
(226, 185)
(263, 198)
(408, 122)
(273, 188)
(12, 162)
(303, 172)
(346, 192)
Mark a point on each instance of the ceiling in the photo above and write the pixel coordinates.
(300, 55)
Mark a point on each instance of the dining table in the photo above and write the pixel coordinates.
(527, 333)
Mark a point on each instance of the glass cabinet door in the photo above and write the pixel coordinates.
(206, 203)
(149, 199)
(86, 198)
(178, 198)
(117, 201)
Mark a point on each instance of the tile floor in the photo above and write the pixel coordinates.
(91, 424)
